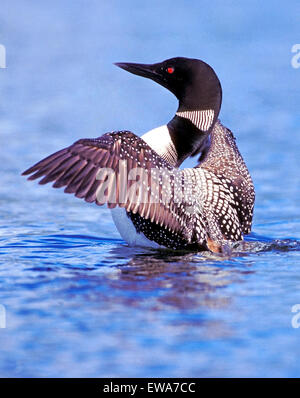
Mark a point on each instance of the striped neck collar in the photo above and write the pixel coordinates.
(201, 119)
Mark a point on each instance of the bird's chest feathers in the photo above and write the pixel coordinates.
(160, 141)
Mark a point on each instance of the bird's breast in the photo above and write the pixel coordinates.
(128, 231)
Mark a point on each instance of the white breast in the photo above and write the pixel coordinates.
(128, 232)
(160, 141)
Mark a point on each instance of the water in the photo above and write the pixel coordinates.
(78, 301)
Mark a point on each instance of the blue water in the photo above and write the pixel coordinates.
(78, 301)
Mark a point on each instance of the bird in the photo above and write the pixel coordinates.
(154, 202)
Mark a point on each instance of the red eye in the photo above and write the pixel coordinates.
(170, 70)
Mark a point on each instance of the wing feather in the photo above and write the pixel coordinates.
(77, 169)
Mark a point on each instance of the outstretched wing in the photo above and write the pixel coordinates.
(119, 169)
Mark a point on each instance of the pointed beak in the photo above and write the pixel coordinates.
(145, 70)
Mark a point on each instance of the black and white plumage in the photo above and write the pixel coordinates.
(154, 202)
(203, 120)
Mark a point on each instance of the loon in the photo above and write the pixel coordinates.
(154, 202)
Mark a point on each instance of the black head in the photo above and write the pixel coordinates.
(192, 81)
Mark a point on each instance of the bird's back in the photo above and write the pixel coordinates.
(225, 161)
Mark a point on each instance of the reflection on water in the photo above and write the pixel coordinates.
(187, 280)
(181, 281)
(121, 301)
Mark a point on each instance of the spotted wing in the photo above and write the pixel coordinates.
(106, 169)
(224, 161)
(209, 208)
(215, 208)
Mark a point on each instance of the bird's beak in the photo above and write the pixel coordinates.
(151, 71)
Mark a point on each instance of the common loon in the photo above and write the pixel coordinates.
(153, 202)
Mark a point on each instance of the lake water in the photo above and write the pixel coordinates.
(78, 301)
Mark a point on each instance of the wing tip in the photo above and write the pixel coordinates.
(28, 171)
